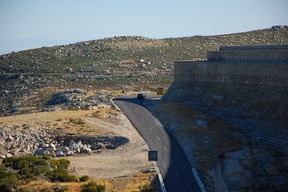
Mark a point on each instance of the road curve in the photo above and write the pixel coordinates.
(172, 162)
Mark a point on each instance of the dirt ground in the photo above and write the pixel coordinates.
(127, 163)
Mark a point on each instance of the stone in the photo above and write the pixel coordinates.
(85, 149)
(59, 154)
(52, 146)
(15, 151)
(74, 146)
(79, 143)
(9, 139)
(2, 156)
(69, 153)
(9, 155)
(46, 152)
(96, 146)
(39, 151)
(65, 149)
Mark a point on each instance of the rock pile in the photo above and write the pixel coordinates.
(41, 141)
(250, 170)
(77, 99)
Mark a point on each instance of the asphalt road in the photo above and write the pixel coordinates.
(172, 162)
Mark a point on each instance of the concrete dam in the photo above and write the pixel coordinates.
(244, 85)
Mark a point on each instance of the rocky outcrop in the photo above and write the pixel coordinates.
(40, 141)
(77, 99)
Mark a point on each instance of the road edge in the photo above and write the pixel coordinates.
(194, 171)
(161, 182)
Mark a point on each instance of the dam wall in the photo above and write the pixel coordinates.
(250, 91)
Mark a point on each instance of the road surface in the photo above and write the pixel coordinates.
(172, 162)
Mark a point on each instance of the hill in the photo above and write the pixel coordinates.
(29, 78)
(129, 53)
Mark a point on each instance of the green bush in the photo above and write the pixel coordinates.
(77, 121)
(93, 187)
(54, 163)
(24, 161)
(27, 168)
(146, 188)
(62, 175)
(25, 189)
(8, 180)
(90, 189)
(61, 163)
(45, 190)
(84, 178)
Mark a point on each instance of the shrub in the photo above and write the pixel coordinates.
(61, 163)
(45, 190)
(146, 188)
(77, 121)
(93, 187)
(26, 174)
(24, 161)
(84, 178)
(46, 156)
(90, 189)
(64, 163)
(8, 180)
(25, 189)
(54, 163)
(62, 175)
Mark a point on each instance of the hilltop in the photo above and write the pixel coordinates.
(129, 53)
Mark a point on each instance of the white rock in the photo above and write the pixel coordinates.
(59, 154)
(2, 156)
(9, 155)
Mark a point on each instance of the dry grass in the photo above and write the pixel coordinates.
(120, 184)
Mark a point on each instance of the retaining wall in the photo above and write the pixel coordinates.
(252, 95)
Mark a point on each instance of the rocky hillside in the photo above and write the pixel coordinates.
(128, 53)
(30, 79)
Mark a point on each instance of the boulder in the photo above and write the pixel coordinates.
(8, 155)
(59, 154)
(79, 143)
(73, 146)
(96, 146)
(69, 153)
(2, 156)
(85, 149)
(15, 151)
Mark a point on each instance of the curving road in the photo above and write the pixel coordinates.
(172, 162)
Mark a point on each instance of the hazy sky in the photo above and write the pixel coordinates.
(26, 24)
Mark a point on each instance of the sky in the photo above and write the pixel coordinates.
(27, 24)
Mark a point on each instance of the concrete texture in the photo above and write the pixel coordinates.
(247, 86)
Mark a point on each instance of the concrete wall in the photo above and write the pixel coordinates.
(245, 72)
(251, 95)
(280, 55)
